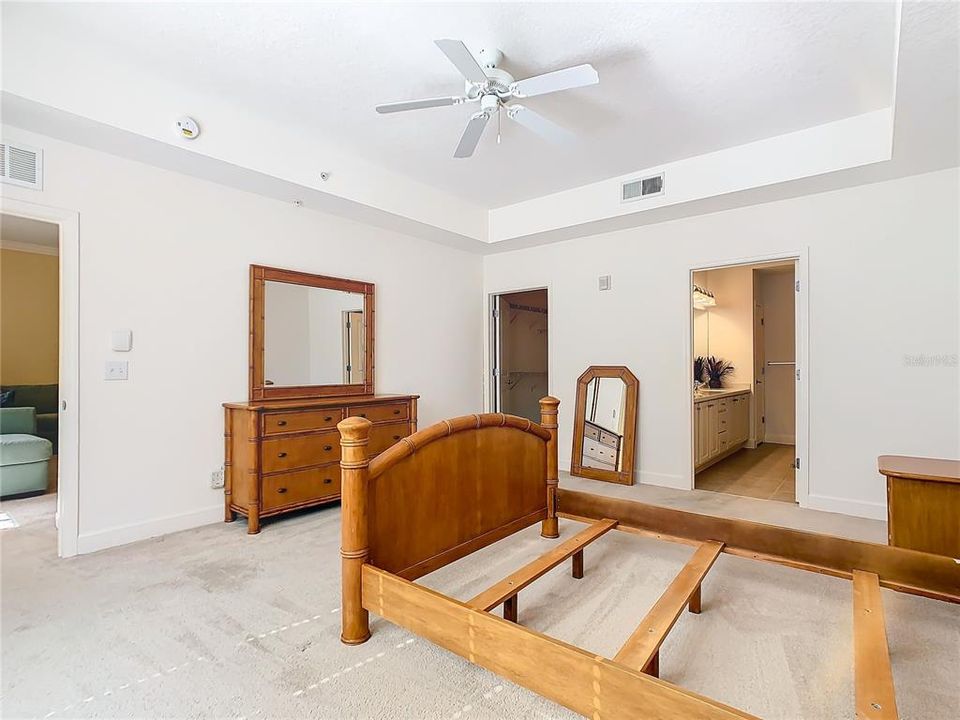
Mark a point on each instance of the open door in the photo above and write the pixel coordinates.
(353, 346)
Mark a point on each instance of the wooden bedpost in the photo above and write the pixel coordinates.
(354, 464)
(548, 420)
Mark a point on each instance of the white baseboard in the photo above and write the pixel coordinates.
(676, 482)
(123, 534)
(780, 439)
(845, 506)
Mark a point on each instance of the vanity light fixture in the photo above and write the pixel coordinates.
(703, 299)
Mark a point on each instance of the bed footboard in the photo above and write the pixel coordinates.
(439, 495)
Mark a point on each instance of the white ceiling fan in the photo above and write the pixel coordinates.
(494, 88)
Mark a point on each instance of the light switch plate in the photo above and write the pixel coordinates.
(115, 370)
(604, 282)
(121, 340)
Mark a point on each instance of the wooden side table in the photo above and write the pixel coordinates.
(923, 503)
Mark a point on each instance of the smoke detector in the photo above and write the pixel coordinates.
(188, 127)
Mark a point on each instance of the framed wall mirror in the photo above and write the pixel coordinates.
(605, 424)
(310, 335)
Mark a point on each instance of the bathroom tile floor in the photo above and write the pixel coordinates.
(765, 473)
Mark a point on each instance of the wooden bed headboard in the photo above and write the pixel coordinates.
(442, 493)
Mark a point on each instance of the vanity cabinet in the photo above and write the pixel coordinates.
(284, 455)
(721, 426)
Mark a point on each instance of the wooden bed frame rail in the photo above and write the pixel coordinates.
(465, 483)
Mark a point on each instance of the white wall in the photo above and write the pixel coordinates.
(167, 256)
(883, 289)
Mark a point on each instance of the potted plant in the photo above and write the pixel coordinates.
(716, 370)
(698, 367)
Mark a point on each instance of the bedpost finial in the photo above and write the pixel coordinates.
(549, 402)
(354, 428)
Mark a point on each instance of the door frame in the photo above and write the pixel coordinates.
(490, 387)
(68, 425)
(801, 257)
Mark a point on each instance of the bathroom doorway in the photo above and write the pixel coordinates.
(745, 379)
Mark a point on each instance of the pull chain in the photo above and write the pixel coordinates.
(499, 107)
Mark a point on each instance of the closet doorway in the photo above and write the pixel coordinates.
(519, 353)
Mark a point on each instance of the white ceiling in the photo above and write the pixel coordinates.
(19, 232)
(677, 79)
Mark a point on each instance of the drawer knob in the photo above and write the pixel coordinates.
(397, 411)
(328, 418)
(396, 437)
(328, 448)
(281, 454)
(281, 423)
(363, 415)
(327, 481)
(281, 490)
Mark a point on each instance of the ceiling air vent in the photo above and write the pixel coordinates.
(642, 188)
(21, 165)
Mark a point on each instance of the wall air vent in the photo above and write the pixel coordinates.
(21, 165)
(642, 188)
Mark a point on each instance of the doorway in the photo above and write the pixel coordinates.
(29, 369)
(61, 230)
(745, 380)
(519, 357)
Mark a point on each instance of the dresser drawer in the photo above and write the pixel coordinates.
(381, 413)
(287, 453)
(285, 422)
(591, 432)
(608, 439)
(384, 436)
(301, 486)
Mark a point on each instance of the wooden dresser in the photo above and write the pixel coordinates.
(284, 455)
(923, 503)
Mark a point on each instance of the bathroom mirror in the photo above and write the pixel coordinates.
(604, 435)
(311, 335)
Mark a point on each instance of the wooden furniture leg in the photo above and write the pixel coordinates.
(253, 517)
(694, 604)
(578, 565)
(510, 608)
(652, 668)
(548, 421)
(355, 469)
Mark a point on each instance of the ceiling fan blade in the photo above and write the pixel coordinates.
(471, 135)
(468, 66)
(547, 129)
(418, 104)
(571, 77)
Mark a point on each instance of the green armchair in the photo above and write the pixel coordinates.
(23, 455)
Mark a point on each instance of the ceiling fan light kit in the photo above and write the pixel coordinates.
(494, 88)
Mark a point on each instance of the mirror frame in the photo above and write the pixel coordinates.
(259, 275)
(629, 444)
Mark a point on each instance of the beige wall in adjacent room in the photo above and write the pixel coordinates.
(29, 318)
(729, 324)
(776, 293)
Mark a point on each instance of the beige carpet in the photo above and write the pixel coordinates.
(212, 623)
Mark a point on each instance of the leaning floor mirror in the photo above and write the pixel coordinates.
(605, 424)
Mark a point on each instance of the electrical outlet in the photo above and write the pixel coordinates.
(216, 478)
